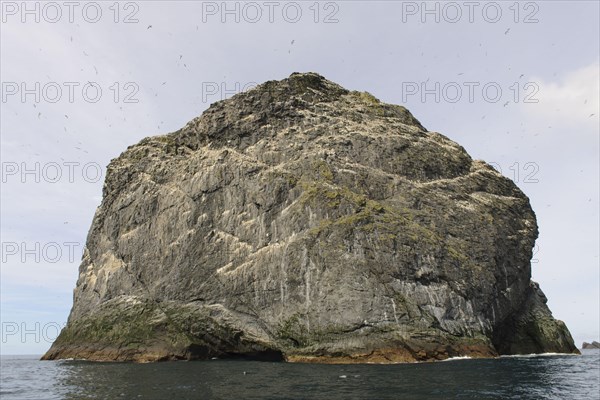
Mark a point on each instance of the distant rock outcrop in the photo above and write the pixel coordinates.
(305, 222)
(593, 345)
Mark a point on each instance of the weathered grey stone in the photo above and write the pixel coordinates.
(593, 345)
(306, 222)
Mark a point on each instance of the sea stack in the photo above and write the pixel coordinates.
(588, 346)
(301, 221)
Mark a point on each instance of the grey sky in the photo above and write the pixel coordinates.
(533, 111)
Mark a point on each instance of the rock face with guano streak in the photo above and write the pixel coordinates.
(302, 221)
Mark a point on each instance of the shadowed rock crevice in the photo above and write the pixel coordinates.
(306, 222)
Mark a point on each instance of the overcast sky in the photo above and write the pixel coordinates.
(517, 84)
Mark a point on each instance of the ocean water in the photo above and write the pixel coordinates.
(525, 377)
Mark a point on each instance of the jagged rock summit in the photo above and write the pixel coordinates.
(301, 221)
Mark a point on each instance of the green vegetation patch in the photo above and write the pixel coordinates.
(124, 324)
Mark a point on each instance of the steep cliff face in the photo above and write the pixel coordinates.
(306, 222)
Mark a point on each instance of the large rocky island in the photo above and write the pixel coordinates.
(301, 221)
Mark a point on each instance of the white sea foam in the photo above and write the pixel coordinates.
(533, 355)
(458, 358)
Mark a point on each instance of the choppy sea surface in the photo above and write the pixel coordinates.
(523, 377)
